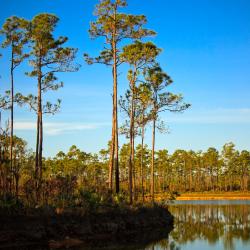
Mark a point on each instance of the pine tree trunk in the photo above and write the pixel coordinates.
(111, 159)
(131, 145)
(133, 160)
(37, 146)
(152, 163)
(12, 116)
(142, 155)
(41, 147)
(39, 130)
(116, 153)
(16, 181)
(190, 178)
(115, 122)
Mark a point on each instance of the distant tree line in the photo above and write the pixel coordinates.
(181, 171)
(67, 174)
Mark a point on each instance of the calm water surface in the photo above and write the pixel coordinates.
(208, 225)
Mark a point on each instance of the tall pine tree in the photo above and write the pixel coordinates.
(115, 27)
(14, 32)
(48, 56)
(162, 100)
(138, 55)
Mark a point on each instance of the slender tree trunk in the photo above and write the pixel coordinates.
(39, 130)
(203, 174)
(116, 144)
(111, 159)
(152, 163)
(190, 177)
(133, 160)
(16, 179)
(41, 147)
(231, 183)
(116, 153)
(245, 178)
(142, 155)
(185, 174)
(246, 182)
(12, 116)
(17, 186)
(37, 146)
(131, 145)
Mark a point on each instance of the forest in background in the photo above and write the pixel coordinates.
(122, 173)
(74, 177)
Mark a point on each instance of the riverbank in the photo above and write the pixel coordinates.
(214, 196)
(70, 227)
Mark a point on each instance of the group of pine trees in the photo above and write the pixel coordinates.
(34, 40)
(147, 96)
(69, 173)
(181, 171)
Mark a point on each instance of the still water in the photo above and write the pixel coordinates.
(208, 225)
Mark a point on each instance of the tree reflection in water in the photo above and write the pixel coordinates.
(217, 226)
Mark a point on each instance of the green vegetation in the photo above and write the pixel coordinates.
(79, 179)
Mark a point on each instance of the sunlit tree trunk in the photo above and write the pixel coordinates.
(142, 155)
(39, 126)
(190, 178)
(41, 148)
(131, 146)
(116, 151)
(153, 162)
(115, 111)
(16, 175)
(111, 159)
(37, 146)
(133, 156)
(12, 115)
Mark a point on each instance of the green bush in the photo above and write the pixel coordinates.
(88, 200)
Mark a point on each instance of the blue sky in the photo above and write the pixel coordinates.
(206, 50)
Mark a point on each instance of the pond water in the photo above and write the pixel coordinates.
(208, 225)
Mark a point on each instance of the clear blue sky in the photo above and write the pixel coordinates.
(206, 50)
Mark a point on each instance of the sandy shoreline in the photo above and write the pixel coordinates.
(214, 196)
